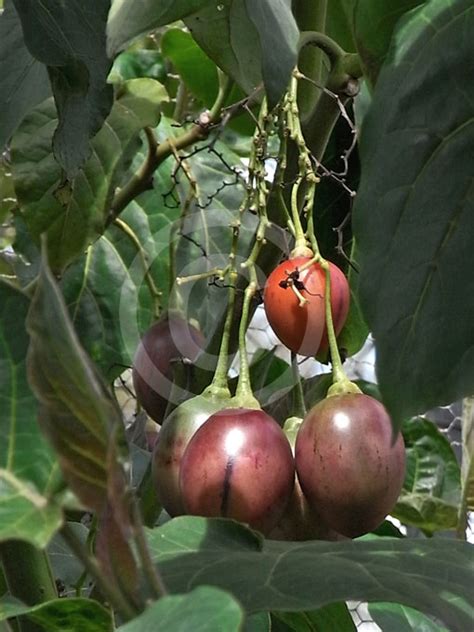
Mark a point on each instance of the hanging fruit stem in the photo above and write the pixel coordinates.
(299, 405)
(256, 200)
(308, 175)
(219, 386)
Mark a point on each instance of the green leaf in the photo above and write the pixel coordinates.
(203, 609)
(338, 25)
(392, 617)
(434, 576)
(204, 231)
(23, 80)
(230, 39)
(60, 615)
(413, 216)
(78, 413)
(278, 34)
(197, 71)
(71, 42)
(129, 20)
(431, 491)
(355, 330)
(134, 64)
(29, 473)
(84, 423)
(258, 622)
(67, 568)
(335, 616)
(73, 215)
(373, 23)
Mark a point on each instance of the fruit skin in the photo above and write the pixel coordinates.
(349, 470)
(169, 339)
(300, 522)
(175, 434)
(238, 465)
(303, 328)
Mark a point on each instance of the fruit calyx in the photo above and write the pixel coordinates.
(342, 387)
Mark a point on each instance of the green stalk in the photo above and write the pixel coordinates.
(341, 383)
(219, 385)
(299, 405)
(28, 576)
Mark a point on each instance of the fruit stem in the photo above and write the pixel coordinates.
(341, 383)
(154, 291)
(219, 386)
(299, 405)
(306, 175)
(256, 199)
(244, 396)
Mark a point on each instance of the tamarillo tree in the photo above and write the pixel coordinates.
(173, 173)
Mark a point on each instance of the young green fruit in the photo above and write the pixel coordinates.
(238, 465)
(350, 470)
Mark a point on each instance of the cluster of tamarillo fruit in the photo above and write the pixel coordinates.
(336, 473)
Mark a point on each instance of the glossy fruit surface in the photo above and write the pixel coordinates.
(348, 468)
(175, 434)
(302, 328)
(300, 522)
(168, 340)
(238, 465)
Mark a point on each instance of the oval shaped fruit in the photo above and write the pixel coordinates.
(300, 522)
(238, 465)
(302, 328)
(174, 436)
(169, 339)
(349, 470)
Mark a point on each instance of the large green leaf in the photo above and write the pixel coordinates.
(23, 80)
(82, 419)
(373, 23)
(78, 413)
(431, 491)
(392, 617)
(201, 610)
(278, 35)
(28, 468)
(204, 232)
(60, 615)
(334, 616)
(70, 40)
(231, 40)
(129, 20)
(413, 216)
(435, 577)
(73, 216)
(196, 70)
(338, 25)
